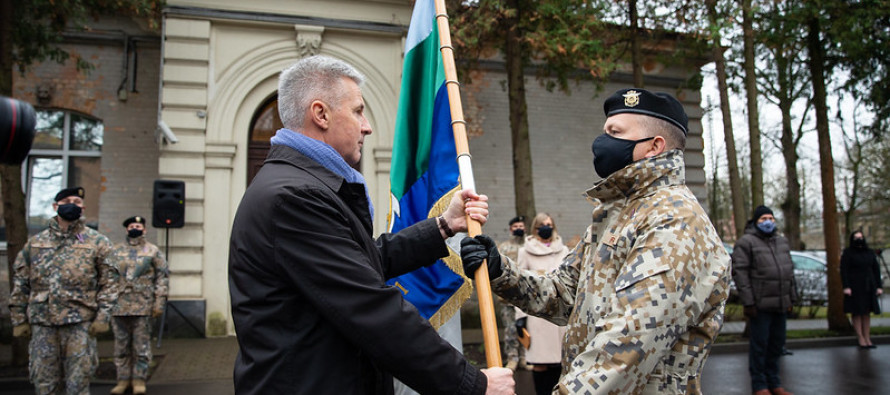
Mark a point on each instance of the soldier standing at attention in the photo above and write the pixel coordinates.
(642, 294)
(62, 294)
(510, 248)
(143, 295)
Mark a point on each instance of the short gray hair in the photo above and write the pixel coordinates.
(673, 135)
(313, 78)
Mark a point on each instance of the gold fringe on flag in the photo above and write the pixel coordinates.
(453, 304)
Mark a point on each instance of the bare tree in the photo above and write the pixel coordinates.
(735, 184)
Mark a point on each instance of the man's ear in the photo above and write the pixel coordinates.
(55, 206)
(320, 114)
(658, 145)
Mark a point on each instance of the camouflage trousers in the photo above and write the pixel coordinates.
(132, 346)
(513, 351)
(63, 358)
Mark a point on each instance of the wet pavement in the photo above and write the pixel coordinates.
(812, 371)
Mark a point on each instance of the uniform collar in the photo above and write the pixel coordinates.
(135, 241)
(642, 177)
(74, 228)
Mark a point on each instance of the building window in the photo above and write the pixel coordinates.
(67, 151)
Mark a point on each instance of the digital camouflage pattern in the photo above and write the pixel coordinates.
(132, 346)
(143, 289)
(642, 294)
(143, 277)
(63, 278)
(512, 349)
(63, 358)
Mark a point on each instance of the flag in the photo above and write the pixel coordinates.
(424, 172)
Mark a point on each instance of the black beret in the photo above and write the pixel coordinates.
(640, 101)
(518, 218)
(130, 220)
(73, 191)
(761, 211)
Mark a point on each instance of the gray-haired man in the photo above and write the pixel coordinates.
(311, 307)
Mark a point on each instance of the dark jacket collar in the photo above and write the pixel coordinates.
(281, 153)
(351, 193)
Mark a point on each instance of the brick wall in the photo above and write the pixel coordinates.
(561, 130)
(129, 155)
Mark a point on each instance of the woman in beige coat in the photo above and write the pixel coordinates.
(543, 251)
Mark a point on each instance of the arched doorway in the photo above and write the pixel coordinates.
(263, 126)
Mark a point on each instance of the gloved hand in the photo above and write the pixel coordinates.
(22, 330)
(98, 327)
(474, 250)
(520, 325)
(157, 312)
(750, 311)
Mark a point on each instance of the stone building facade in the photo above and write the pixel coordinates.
(210, 76)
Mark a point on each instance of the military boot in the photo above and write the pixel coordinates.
(138, 387)
(121, 387)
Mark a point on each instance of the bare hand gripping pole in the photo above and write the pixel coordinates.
(459, 126)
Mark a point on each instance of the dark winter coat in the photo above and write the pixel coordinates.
(311, 308)
(860, 272)
(763, 271)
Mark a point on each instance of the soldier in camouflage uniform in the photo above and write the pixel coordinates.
(510, 248)
(642, 294)
(63, 290)
(143, 294)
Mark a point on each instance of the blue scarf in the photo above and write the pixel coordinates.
(324, 154)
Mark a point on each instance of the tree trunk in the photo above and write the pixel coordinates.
(523, 184)
(791, 206)
(735, 183)
(753, 114)
(13, 199)
(837, 320)
(635, 45)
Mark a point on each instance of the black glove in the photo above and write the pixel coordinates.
(520, 325)
(474, 250)
(750, 311)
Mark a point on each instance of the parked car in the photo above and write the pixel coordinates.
(810, 276)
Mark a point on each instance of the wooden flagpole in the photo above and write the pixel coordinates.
(459, 127)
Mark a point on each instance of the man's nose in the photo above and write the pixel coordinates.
(366, 126)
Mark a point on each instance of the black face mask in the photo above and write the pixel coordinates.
(518, 232)
(858, 243)
(611, 154)
(545, 232)
(69, 212)
(134, 233)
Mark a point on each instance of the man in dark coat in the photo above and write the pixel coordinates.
(764, 275)
(307, 280)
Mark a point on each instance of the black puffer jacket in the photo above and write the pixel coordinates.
(763, 271)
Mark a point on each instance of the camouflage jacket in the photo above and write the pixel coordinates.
(510, 248)
(143, 277)
(642, 294)
(63, 278)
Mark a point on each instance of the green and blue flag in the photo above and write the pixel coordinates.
(424, 172)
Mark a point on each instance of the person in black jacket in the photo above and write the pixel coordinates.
(861, 277)
(310, 304)
(764, 275)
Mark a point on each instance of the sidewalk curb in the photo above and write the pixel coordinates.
(797, 344)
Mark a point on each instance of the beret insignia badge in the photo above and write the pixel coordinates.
(631, 98)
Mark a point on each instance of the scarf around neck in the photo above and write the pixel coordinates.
(324, 154)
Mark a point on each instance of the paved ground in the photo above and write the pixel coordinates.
(812, 371)
(204, 366)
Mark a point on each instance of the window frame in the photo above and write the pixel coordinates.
(65, 154)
